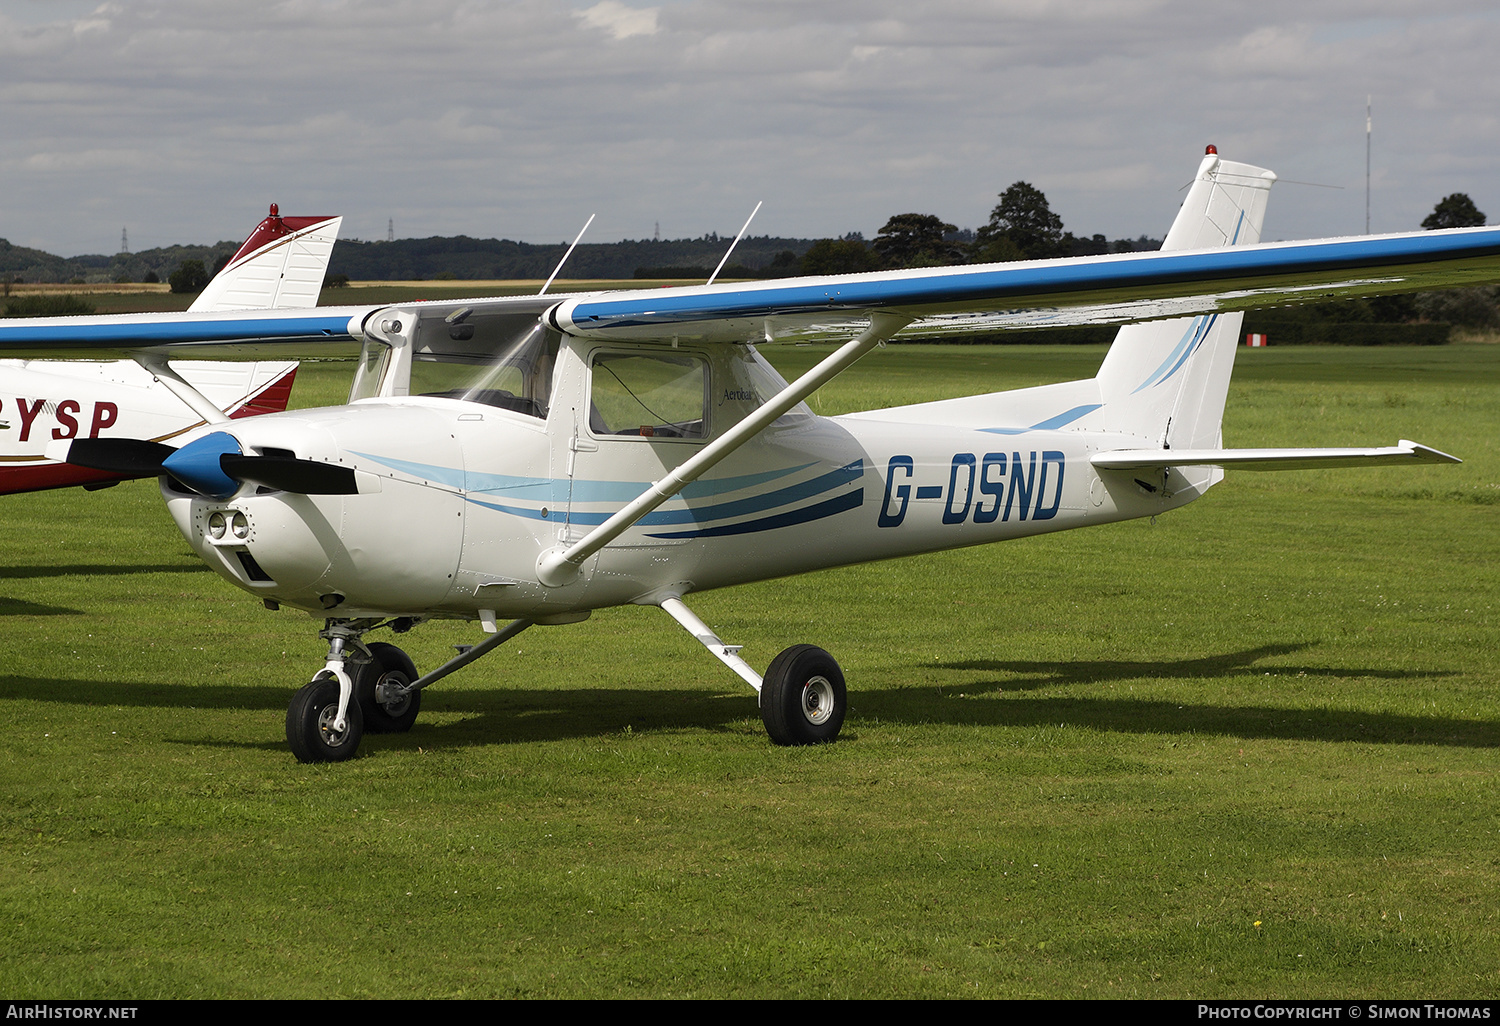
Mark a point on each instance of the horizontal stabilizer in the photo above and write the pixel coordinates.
(1406, 453)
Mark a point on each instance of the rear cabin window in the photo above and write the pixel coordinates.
(649, 395)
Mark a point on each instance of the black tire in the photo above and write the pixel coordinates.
(309, 724)
(393, 717)
(802, 699)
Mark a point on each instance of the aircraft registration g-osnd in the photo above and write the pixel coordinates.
(531, 459)
(279, 266)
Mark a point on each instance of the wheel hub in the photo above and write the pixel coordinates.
(391, 693)
(817, 700)
(327, 716)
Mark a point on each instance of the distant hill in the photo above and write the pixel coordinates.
(466, 258)
(33, 265)
(463, 258)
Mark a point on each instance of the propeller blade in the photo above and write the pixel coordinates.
(289, 474)
(134, 456)
(212, 465)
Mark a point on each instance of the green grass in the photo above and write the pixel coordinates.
(1248, 750)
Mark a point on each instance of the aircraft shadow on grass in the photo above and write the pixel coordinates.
(1101, 671)
(502, 715)
(99, 570)
(20, 607)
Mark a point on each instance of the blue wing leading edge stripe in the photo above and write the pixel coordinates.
(900, 291)
(127, 333)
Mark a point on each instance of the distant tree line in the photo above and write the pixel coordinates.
(1022, 226)
(34, 265)
(1419, 318)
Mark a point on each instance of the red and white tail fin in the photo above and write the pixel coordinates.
(281, 266)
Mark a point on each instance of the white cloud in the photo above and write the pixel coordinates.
(517, 118)
(620, 21)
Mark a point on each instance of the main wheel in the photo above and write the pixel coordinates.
(802, 699)
(396, 716)
(309, 724)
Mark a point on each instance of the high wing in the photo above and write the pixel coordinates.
(1117, 288)
(1046, 293)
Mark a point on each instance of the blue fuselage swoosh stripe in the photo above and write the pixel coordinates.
(805, 515)
(559, 489)
(757, 503)
(703, 514)
(1050, 424)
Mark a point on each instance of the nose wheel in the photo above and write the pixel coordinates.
(372, 682)
(310, 723)
(802, 699)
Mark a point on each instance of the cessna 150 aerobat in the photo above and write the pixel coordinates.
(279, 267)
(531, 459)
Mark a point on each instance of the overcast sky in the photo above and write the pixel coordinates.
(183, 119)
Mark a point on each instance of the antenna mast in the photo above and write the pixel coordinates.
(1368, 98)
(569, 253)
(733, 244)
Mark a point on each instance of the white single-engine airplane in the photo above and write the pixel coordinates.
(532, 458)
(280, 266)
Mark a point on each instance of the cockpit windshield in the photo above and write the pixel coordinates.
(518, 378)
(500, 356)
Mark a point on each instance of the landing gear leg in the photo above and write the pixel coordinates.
(322, 723)
(802, 697)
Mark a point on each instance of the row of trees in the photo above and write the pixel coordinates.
(1022, 226)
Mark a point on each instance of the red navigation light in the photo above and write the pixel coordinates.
(1211, 151)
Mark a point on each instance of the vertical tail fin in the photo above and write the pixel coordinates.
(1166, 381)
(279, 267)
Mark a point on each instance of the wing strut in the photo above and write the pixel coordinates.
(179, 386)
(556, 567)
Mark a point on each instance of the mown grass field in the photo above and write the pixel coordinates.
(1248, 750)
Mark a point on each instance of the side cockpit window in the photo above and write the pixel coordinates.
(649, 395)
